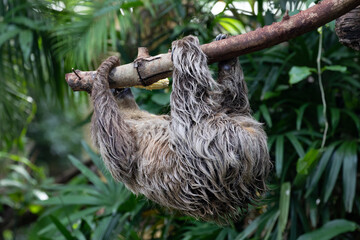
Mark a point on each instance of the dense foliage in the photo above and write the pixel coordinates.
(306, 91)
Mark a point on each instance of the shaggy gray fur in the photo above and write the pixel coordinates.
(207, 160)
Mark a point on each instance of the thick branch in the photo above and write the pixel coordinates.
(151, 69)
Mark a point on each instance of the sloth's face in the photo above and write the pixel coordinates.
(121, 92)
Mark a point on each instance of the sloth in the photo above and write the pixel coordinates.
(208, 159)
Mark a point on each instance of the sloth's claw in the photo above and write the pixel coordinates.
(221, 36)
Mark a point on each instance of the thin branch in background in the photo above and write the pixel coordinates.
(318, 61)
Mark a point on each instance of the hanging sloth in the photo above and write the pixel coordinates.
(207, 159)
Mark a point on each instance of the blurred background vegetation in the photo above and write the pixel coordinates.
(53, 186)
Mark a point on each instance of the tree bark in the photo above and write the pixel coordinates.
(146, 70)
(348, 29)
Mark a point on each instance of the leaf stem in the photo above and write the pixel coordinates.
(318, 61)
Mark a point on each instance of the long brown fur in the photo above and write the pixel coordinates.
(206, 160)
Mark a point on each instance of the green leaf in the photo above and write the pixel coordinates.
(270, 223)
(114, 221)
(296, 144)
(24, 161)
(94, 157)
(354, 117)
(335, 117)
(74, 217)
(279, 155)
(89, 174)
(253, 226)
(300, 114)
(285, 194)
(12, 183)
(161, 98)
(233, 26)
(304, 164)
(270, 94)
(66, 233)
(10, 32)
(265, 112)
(25, 40)
(349, 175)
(308, 2)
(297, 74)
(330, 230)
(336, 162)
(98, 162)
(336, 68)
(321, 167)
(70, 200)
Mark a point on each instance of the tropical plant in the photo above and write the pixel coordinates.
(306, 91)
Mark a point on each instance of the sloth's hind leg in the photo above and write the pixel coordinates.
(231, 78)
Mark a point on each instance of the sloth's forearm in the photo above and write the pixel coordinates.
(110, 132)
(114, 139)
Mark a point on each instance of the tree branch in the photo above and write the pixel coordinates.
(146, 70)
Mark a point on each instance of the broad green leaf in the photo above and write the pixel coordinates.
(304, 164)
(335, 165)
(114, 221)
(296, 144)
(131, 4)
(202, 229)
(297, 74)
(279, 155)
(94, 157)
(161, 98)
(74, 217)
(12, 183)
(9, 33)
(321, 167)
(331, 25)
(66, 233)
(285, 194)
(70, 200)
(29, 23)
(26, 39)
(349, 175)
(308, 2)
(222, 234)
(300, 114)
(335, 117)
(270, 224)
(23, 160)
(335, 68)
(98, 162)
(255, 224)
(313, 211)
(354, 117)
(270, 94)
(20, 169)
(233, 26)
(330, 230)
(271, 141)
(89, 174)
(265, 112)
(78, 234)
